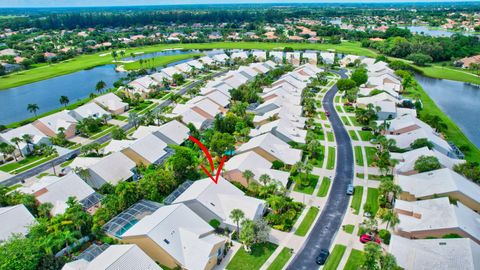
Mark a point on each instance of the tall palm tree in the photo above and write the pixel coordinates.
(100, 86)
(390, 217)
(33, 108)
(133, 118)
(248, 175)
(264, 179)
(50, 151)
(17, 141)
(28, 139)
(10, 150)
(64, 100)
(237, 215)
(4, 150)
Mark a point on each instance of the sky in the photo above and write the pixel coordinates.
(84, 3)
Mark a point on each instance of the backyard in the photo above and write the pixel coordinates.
(254, 260)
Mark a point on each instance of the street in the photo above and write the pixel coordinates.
(331, 217)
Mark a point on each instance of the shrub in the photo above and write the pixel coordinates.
(277, 165)
(385, 236)
(427, 163)
(215, 223)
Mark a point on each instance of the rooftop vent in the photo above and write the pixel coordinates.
(166, 241)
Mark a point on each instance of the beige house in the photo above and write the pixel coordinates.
(175, 236)
(52, 124)
(439, 183)
(436, 218)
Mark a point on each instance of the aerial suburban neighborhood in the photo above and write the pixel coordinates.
(239, 136)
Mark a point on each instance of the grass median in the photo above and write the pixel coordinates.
(307, 221)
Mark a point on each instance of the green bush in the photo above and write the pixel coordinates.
(385, 236)
(277, 165)
(215, 223)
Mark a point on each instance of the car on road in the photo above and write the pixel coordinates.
(322, 257)
(350, 189)
(327, 113)
(366, 237)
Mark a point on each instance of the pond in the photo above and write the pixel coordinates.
(46, 93)
(460, 101)
(424, 30)
(76, 86)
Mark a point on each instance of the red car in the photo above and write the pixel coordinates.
(327, 113)
(365, 238)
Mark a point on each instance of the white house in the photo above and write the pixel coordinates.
(440, 254)
(175, 236)
(15, 220)
(272, 148)
(310, 57)
(404, 140)
(437, 183)
(276, 56)
(216, 201)
(407, 160)
(116, 257)
(57, 190)
(260, 55)
(37, 137)
(89, 110)
(112, 103)
(293, 58)
(52, 124)
(327, 57)
(111, 169)
(238, 164)
(436, 218)
(239, 55)
(283, 129)
(220, 58)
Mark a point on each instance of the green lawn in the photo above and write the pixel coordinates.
(449, 73)
(358, 155)
(331, 158)
(28, 162)
(254, 260)
(354, 121)
(348, 228)
(102, 58)
(281, 259)
(312, 183)
(337, 99)
(159, 61)
(353, 135)
(372, 199)
(366, 135)
(357, 199)
(345, 121)
(324, 186)
(370, 151)
(355, 260)
(335, 257)
(307, 221)
(330, 137)
(339, 108)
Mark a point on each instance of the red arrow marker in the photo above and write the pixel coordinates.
(210, 161)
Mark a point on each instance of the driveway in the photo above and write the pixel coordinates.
(330, 219)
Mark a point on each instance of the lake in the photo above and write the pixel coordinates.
(424, 30)
(76, 86)
(46, 93)
(460, 101)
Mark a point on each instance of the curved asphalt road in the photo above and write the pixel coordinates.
(327, 226)
(61, 159)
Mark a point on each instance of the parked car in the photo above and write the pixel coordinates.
(322, 257)
(366, 128)
(350, 189)
(366, 237)
(327, 113)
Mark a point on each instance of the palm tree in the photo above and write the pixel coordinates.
(105, 118)
(28, 139)
(133, 118)
(264, 179)
(248, 175)
(387, 188)
(69, 238)
(100, 86)
(390, 217)
(10, 150)
(4, 150)
(237, 215)
(33, 108)
(50, 151)
(64, 100)
(17, 141)
(114, 55)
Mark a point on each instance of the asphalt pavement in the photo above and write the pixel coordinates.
(330, 220)
(61, 159)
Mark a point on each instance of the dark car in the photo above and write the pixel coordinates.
(327, 113)
(350, 189)
(366, 128)
(322, 257)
